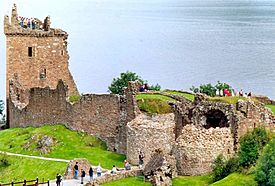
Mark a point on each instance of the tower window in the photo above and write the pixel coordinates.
(43, 74)
(30, 51)
(62, 52)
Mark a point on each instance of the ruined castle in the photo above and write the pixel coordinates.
(39, 82)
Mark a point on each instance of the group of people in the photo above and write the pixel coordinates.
(83, 173)
(144, 88)
(127, 166)
(244, 94)
(227, 92)
(25, 22)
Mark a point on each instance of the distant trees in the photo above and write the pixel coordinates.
(211, 90)
(119, 83)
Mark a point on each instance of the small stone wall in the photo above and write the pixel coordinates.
(147, 134)
(197, 147)
(112, 177)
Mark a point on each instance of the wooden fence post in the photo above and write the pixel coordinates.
(25, 182)
(36, 183)
(48, 182)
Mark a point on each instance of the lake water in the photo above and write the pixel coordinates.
(175, 43)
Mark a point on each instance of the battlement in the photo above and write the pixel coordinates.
(23, 26)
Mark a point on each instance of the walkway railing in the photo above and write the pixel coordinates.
(28, 183)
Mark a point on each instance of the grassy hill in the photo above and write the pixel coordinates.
(26, 168)
(67, 145)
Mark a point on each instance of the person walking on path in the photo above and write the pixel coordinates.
(98, 170)
(76, 170)
(58, 179)
(91, 173)
(82, 175)
(140, 158)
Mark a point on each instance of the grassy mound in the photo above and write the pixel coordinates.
(138, 181)
(154, 103)
(272, 107)
(234, 179)
(20, 168)
(192, 180)
(68, 145)
(188, 96)
(230, 99)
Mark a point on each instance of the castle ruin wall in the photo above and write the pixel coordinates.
(148, 134)
(196, 149)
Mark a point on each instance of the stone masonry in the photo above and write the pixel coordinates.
(36, 57)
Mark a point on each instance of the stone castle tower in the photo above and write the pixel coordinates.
(36, 54)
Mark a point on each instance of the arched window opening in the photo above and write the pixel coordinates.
(215, 118)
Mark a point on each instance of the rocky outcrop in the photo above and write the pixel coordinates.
(160, 169)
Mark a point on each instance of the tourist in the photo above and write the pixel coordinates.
(82, 175)
(241, 92)
(114, 170)
(91, 173)
(140, 158)
(98, 170)
(249, 95)
(141, 88)
(76, 170)
(127, 165)
(29, 23)
(22, 21)
(226, 92)
(33, 24)
(146, 87)
(58, 179)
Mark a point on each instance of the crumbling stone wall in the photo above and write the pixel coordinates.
(251, 115)
(197, 147)
(147, 134)
(99, 115)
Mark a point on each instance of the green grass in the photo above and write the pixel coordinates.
(69, 145)
(74, 98)
(236, 179)
(230, 99)
(25, 168)
(191, 180)
(137, 181)
(272, 107)
(154, 103)
(188, 96)
(154, 96)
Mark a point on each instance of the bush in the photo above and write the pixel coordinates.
(223, 168)
(74, 98)
(4, 160)
(250, 146)
(265, 171)
(210, 89)
(119, 83)
(156, 87)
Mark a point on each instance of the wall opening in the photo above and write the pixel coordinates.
(43, 74)
(30, 51)
(215, 118)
